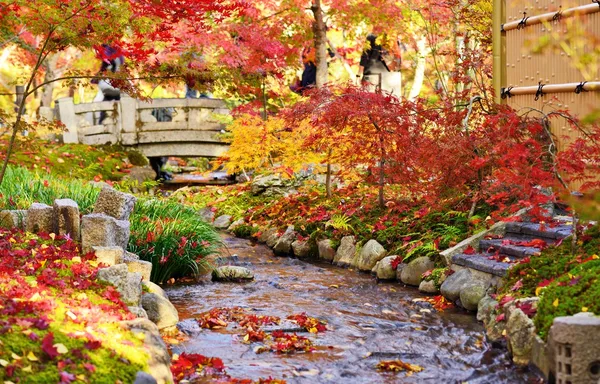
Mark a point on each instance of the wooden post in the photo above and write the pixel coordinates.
(66, 114)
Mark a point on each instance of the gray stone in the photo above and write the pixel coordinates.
(138, 312)
(472, 293)
(160, 360)
(115, 203)
(207, 214)
(127, 284)
(301, 249)
(150, 287)
(520, 333)
(140, 175)
(232, 273)
(114, 275)
(129, 257)
(539, 356)
(273, 185)
(384, 270)
(40, 218)
(494, 329)
(109, 255)
(13, 219)
(144, 378)
(143, 267)
(326, 250)
(98, 229)
(574, 346)
(266, 234)
(369, 255)
(411, 274)
(452, 286)
(346, 252)
(160, 310)
(222, 222)
(66, 215)
(486, 308)
(399, 270)
(473, 241)
(428, 286)
(272, 239)
(235, 224)
(283, 246)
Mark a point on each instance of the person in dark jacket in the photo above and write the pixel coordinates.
(372, 61)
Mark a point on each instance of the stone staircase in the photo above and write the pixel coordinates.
(496, 252)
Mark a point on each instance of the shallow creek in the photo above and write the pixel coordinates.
(367, 322)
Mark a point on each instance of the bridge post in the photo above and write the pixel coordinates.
(128, 120)
(66, 114)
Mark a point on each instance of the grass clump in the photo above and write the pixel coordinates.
(172, 237)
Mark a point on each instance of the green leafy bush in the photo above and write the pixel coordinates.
(172, 237)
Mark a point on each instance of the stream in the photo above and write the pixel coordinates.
(367, 321)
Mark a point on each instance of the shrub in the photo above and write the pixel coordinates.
(172, 237)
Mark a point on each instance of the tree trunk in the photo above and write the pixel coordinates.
(417, 84)
(320, 34)
(49, 66)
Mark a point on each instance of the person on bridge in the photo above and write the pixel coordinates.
(112, 59)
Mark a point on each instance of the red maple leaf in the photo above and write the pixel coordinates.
(469, 250)
(48, 345)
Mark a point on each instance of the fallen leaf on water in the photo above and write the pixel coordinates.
(388, 312)
(398, 365)
(334, 286)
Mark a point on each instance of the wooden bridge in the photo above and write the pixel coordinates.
(193, 128)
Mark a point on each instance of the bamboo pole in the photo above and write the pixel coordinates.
(593, 86)
(498, 68)
(538, 19)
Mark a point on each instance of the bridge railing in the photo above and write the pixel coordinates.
(193, 128)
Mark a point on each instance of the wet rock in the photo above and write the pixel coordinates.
(486, 309)
(222, 222)
(40, 218)
(283, 246)
(369, 255)
(150, 287)
(384, 270)
(472, 293)
(160, 360)
(399, 270)
(108, 255)
(428, 286)
(66, 214)
(232, 273)
(98, 229)
(411, 274)
(301, 249)
(160, 310)
(266, 234)
(144, 378)
(453, 284)
(207, 214)
(272, 239)
(189, 327)
(346, 252)
(520, 333)
(13, 219)
(326, 250)
(115, 203)
(235, 224)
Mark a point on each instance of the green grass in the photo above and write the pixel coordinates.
(172, 237)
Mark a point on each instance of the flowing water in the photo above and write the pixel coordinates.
(367, 322)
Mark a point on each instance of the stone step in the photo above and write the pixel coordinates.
(483, 263)
(544, 231)
(509, 245)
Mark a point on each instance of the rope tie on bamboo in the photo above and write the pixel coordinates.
(506, 93)
(540, 91)
(523, 23)
(558, 15)
(579, 88)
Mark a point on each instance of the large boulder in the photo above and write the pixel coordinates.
(384, 269)
(346, 252)
(207, 214)
(160, 311)
(369, 255)
(472, 293)
(273, 185)
(129, 285)
(13, 219)
(326, 250)
(301, 249)
(283, 246)
(266, 234)
(150, 287)
(115, 203)
(222, 222)
(40, 218)
(428, 286)
(232, 273)
(453, 284)
(272, 239)
(160, 360)
(411, 274)
(98, 229)
(66, 213)
(143, 267)
(520, 332)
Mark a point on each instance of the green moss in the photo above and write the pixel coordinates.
(572, 293)
(245, 231)
(136, 158)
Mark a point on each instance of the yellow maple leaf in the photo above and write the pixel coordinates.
(584, 309)
(60, 348)
(3, 362)
(555, 303)
(31, 356)
(27, 369)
